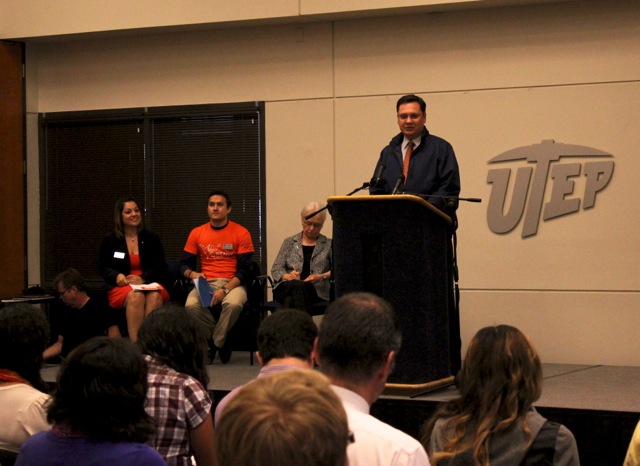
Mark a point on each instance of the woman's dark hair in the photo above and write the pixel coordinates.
(117, 215)
(500, 379)
(172, 337)
(101, 391)
(24, 335)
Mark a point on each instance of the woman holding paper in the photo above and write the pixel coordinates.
(132, 256)
(302, 269)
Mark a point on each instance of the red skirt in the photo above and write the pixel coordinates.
(118, 294)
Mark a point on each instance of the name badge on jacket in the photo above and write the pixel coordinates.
(118, 255)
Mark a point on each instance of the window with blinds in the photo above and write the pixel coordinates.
(168, 158)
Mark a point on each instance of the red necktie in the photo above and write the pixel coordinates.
(407, 157)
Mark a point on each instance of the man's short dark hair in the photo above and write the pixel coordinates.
(356, 335)
(219, 192)
(69, 278)
(407, 99)
(101, 391)
(286, 333)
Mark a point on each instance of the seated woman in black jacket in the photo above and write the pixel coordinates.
(132, 255)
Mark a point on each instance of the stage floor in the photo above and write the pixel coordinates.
(599, 404)
(572, 386)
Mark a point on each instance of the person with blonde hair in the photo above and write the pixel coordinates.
(493, 421)
(285, 342)
(288, 418)
(302, 268)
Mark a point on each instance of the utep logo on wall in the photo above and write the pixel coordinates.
(545, 161)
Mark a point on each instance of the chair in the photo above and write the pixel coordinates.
(244, 333)
(318, 309)
(7, 457)
(243, 336)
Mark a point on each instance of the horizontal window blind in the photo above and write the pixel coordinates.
(168, 158)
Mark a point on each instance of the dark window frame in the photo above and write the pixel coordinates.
(178, 153)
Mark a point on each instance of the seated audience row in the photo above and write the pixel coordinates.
(97, 411)
(103, 384)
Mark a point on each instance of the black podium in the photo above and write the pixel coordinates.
(399, 247)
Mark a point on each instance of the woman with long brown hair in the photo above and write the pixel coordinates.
(132, 255)
(493, 421)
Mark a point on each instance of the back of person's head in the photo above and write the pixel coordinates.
(501, 365)
(24, 334)
(289, 418)
(356, 335)
(500, 379)
(172, 337)
(101, 391)
(286, 333)
(70, 278)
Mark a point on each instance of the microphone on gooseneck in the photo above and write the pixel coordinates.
(377, 176)
(399, 181)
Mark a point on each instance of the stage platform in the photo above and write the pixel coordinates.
(599, 404)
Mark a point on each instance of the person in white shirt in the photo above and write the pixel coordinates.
(24, 333)
(357, 342)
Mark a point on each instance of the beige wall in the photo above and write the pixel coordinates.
(494, 79)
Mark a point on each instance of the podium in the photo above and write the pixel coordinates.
(399, 247)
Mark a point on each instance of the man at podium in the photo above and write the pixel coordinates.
(418, 162)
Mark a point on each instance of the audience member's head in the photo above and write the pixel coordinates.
(69, 279)
(502, 373)
(500, 379)
(288, 333)
(358, 335)
(24, 334)
(292, 417)
(71, 289)
(172, 337)
(101, 391)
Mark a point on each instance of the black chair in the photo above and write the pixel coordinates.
(8, 458)
(318, 308)
(243, 336)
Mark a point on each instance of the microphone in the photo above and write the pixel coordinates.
(377, 176)
(399, 182)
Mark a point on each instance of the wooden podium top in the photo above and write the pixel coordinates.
(391, 197)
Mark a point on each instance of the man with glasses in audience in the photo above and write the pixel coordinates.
(425, 162)
(81, 318)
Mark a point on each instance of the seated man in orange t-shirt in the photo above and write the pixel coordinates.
(225, 251)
